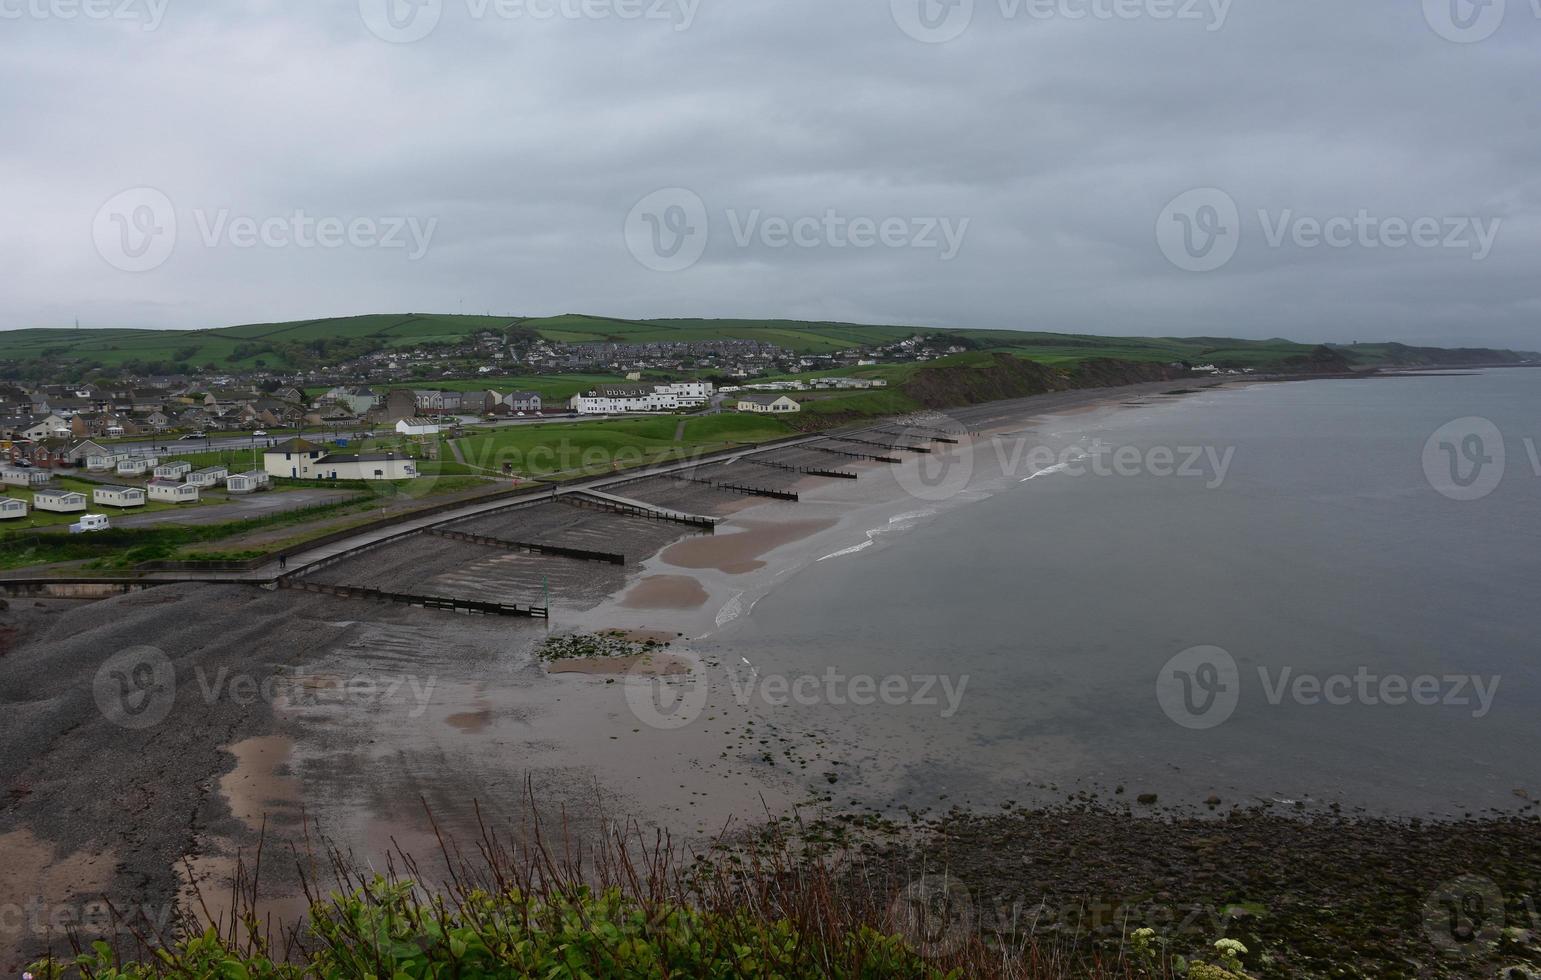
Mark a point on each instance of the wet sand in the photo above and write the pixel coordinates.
(369, 717)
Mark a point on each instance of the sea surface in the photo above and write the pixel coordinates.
(1269, 592)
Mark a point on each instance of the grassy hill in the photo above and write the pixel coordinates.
(284, 345)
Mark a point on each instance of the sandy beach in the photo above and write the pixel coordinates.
(299, 718)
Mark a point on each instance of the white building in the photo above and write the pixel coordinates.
(59, 501)
(689, 393)
(173, 471)
(768, 404)
(138, 466)
(242, 483)
(295, 460)
(209, 476)
(369, 466)
(119, 496)
(104, 462)
(621, 399)
(11, 508)
(23, 476)
(416, 427)
(173, 491)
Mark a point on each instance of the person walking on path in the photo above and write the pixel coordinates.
(283, 562)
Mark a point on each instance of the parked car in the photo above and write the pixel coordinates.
(259, 433)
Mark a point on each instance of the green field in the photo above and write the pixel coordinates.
(573, 449)
(287, 345)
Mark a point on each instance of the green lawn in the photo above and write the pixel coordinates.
(36, 518)
(596, 447)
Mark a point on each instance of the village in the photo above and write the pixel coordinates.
(145, 445)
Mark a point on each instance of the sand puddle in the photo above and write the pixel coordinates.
(740, 553)
(666, 592)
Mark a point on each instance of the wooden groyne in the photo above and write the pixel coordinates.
(470, 607)
(599, 500)
(738, 488)
(850, 454)
(558, 551)
(869, 442)
(806, 470)
(934, 435)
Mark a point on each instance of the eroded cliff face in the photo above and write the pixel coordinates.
(1005, 376)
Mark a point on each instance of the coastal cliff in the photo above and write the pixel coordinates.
(1004, 376)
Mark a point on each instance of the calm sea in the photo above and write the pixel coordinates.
(1316, 607)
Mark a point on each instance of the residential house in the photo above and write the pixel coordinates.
(528, 402)
(294, 459)
(620, 399)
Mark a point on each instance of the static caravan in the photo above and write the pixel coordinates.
(135, 467)
(10, 509)
(59, 501)
(211, 476)
(248, 482)
(119, 496)
(23, 476)
(173, 471)
(104, 462)
(173, 491)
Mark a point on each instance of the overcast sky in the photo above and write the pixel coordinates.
(1085, 165)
